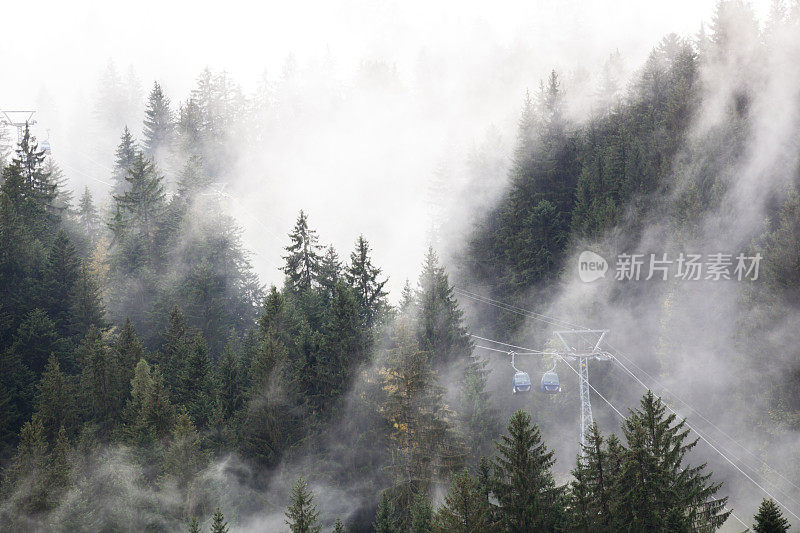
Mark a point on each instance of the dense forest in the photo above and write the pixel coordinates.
(149, 381)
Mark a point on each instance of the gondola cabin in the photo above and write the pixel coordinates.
(550, 384)
(522, 382)
(45, 146)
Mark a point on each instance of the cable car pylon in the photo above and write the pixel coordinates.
(583, 345)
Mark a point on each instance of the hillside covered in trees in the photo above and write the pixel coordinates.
(149, 381)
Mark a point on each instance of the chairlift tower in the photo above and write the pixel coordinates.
(583, 345)
(19, 120)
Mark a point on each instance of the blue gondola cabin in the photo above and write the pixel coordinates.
(522, 382)
(550, 384)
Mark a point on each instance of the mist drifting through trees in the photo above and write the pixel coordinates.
(286, 301)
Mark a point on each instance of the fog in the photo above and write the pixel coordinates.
(375, 109)
(459, 69)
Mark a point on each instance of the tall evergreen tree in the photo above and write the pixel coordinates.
(218, 523)
(364, 277)
(660, 492)
(56, 408)
(465, 509)
(61, 273)
(769, 518)
(87, 305)
(385, 520)
(88, 217)
(421, 514)
(440, 329)
(523, 484)
(124, 158)
(159, 124)
(302, 259)
(302, 514)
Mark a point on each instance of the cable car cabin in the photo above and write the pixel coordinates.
(45, 146)
(522, 382)
(550, 384)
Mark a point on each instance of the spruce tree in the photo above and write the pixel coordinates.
(183, 458)
(55, 402)
(440, 322)
(124, 158)
(523, 484)
(769, 518)
(59, 278)
(158, 124)
(87, 305)
(149, 414)
(385, 520)
(194, 526)
(196, 386)
(302, 258)
(302, 514)
(465, 509)
(660, 492)
(143, 203)
(127, 353)
(218, 523)
(330, 269)
(421, 514)
(97, 374)
(478, 416)
(338, 526)
(364, 277)
(592, 492)
(88, 217)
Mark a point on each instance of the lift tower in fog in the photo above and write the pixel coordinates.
(19, 120)
(582, 346)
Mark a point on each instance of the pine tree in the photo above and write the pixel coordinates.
(127, 353)
(143, 203)
(441, 329)
(421, 514)
(230, 378)
(97, 374)
(479, 417)
(302, 514)
(364, 277)
(36, 338)
(769, 518)
(194, 526)
(124, 158)
(158, 123)
(330, 269)
(175, 346)
(27, 473)
(183, 457)
(55, 402)
(218, 523)
(58, 281)
(523, 484)
(149, 414)
(88, 217)
(465, 509)
(195, 388)
(592, 497)
(302, 259)
(661, 494)
(338, 526)
(385, 521)
(423, 446)
(87, 305)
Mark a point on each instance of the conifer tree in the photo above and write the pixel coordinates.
(338, 526)
(183, 457)
(143, 203)
(302, 514)
(175, 346)
(661, 492)
(124, 157)
(440, 328)
(149, 414)
(97, 374)
(194, 525)
(87, 305)
(465, 509)
(195, 388)
(302, 259)
(58, 281)
(421, 514)
(88, 217)
(230, 379)
(330, 269)
(523, 484)
(364, 277)
(36, 338)
(769, 518)
(479, 417)
(592, 492)
(158, 123)
(423, 446)
(55, 402)
(127, 352)
(385, 520)
(218, 523)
